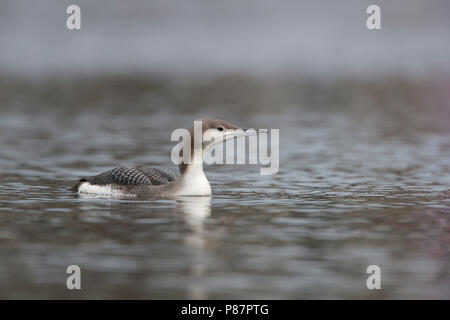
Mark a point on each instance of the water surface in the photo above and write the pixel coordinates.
(364, 179)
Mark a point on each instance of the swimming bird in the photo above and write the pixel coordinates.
(159, 182)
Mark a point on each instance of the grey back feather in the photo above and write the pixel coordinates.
(133, 176)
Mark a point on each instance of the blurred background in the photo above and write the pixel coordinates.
(364, 119)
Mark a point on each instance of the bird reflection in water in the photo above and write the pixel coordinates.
(195, 211)
(192, 210)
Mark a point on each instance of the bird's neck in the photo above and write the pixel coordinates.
(194, 180)
(195, 164)
(191, 167)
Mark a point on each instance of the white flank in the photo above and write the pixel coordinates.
(86, 187)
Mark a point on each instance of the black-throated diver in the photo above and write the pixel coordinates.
(158, 182)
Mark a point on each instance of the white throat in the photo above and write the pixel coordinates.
(195, 182)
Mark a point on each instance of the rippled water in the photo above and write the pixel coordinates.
(364, 179)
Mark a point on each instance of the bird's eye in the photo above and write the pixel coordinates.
(220, 128)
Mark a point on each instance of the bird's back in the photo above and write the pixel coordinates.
(124, 178)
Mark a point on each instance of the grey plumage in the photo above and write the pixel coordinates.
(131, 176)
(158, 175)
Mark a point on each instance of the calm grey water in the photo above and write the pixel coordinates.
(364, 179)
